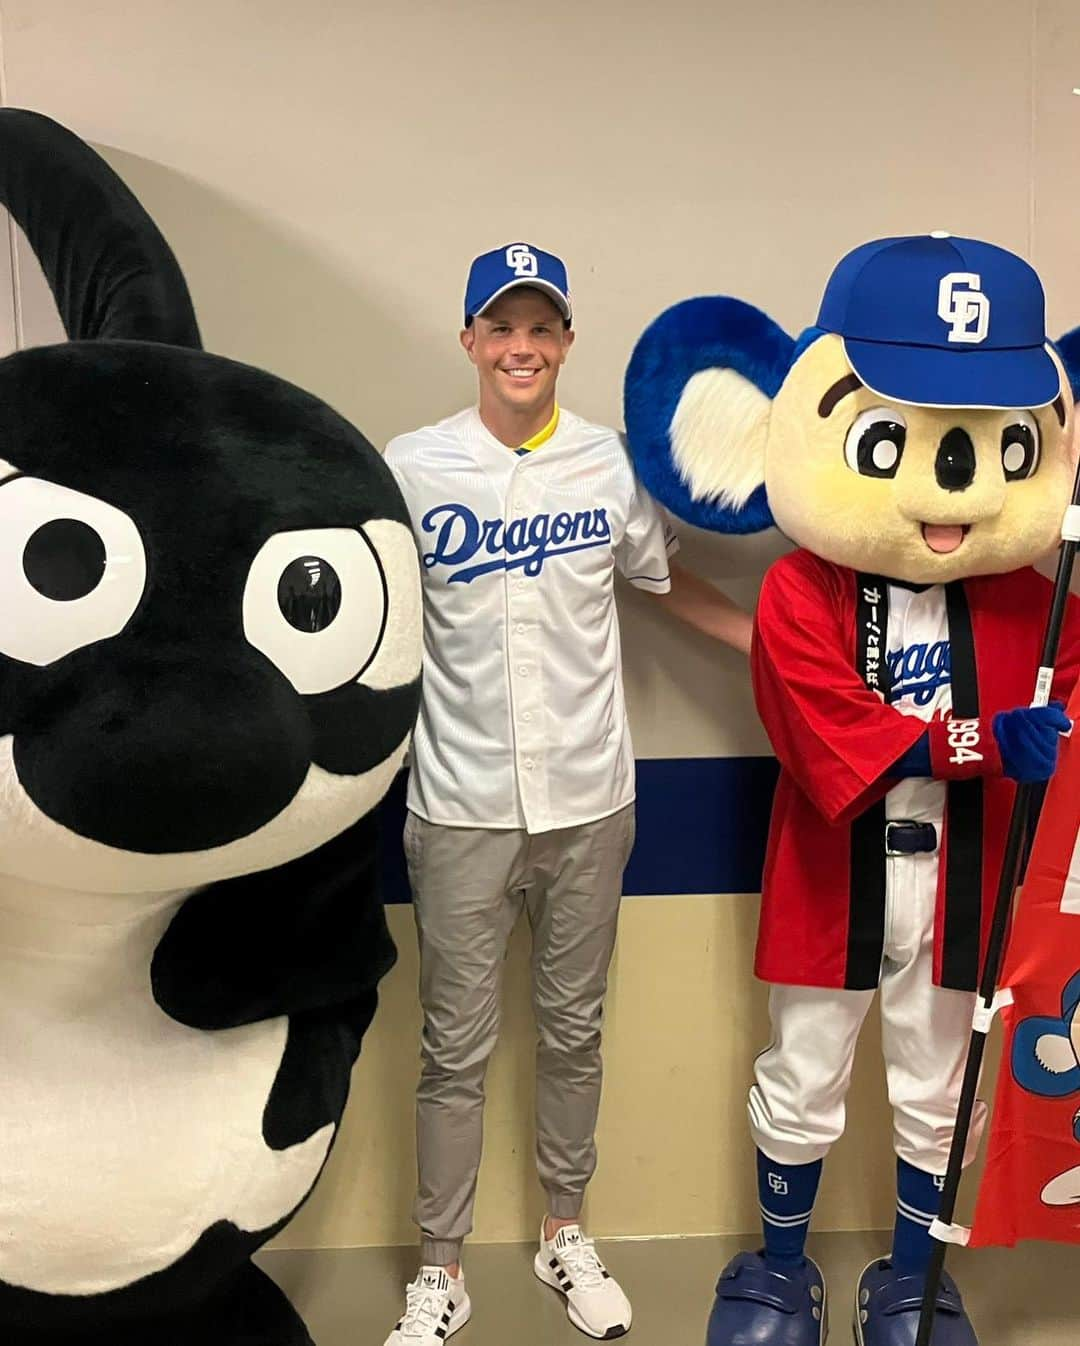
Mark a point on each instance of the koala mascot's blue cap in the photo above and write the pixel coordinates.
(942, 322)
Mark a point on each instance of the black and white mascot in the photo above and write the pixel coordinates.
(209, 671)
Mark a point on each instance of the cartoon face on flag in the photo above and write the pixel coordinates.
(1045, 1060)
(1031, 1187)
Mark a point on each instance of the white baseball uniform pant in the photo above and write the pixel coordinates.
(797, 1104)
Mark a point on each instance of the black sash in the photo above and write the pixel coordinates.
(866, 894)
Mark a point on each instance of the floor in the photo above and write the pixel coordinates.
(1029, 1296)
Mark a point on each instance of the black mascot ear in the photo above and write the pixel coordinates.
(112, 274)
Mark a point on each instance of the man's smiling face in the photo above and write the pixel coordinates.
(518, 346)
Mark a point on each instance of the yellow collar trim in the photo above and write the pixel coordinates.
(542, 436)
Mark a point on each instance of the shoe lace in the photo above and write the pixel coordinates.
(424, 1307)
(585, 1267)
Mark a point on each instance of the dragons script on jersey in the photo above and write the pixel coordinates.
(522, 722)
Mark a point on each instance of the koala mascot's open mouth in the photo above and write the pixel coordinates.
(944, 538)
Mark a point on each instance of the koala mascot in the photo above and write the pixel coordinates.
(209, 663)
(916, 446)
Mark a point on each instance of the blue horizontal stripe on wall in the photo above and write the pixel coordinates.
(701, 827)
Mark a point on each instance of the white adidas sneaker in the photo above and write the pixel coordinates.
(595, 1303)
(436, 1305)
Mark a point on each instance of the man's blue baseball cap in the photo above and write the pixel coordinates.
(517, 264)
(943, 322)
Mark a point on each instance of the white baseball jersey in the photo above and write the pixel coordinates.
(920, 683)
(522, 720)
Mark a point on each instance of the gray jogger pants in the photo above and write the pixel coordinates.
(469, 887)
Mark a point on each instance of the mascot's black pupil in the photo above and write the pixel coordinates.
(880, 448)
(64, 560)
(309, 593)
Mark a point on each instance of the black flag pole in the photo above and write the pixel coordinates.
(943, 1228)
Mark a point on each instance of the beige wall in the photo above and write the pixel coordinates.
(324, 173)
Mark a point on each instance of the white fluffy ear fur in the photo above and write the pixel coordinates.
(718, 436)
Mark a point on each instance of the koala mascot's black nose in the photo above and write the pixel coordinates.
(955, 463)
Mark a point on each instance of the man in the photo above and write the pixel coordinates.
(522, 784)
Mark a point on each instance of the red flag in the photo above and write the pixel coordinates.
(1031, 1187)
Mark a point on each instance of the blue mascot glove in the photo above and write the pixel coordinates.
(1027, 739)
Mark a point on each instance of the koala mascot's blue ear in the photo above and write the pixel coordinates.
(697, 396)
(1068, 348)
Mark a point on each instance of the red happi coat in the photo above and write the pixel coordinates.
(823, 892)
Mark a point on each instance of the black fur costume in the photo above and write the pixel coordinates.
(209, 671)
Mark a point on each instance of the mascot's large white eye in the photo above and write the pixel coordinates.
(315, 604)
(72, 570)
(1020, 445)
(875, 442)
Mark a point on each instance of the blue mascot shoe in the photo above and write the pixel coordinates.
(757, 1305)
(887, 1306)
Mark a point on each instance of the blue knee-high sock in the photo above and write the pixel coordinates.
(787, 1193)
(918, 1198)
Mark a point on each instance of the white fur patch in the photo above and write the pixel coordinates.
(718, 437)
(1055, 1054)
(397, 662)
(125, 1133)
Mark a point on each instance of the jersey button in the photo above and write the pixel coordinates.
(523, 671)
(529, 763)
(527, 716)
(521, 628)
